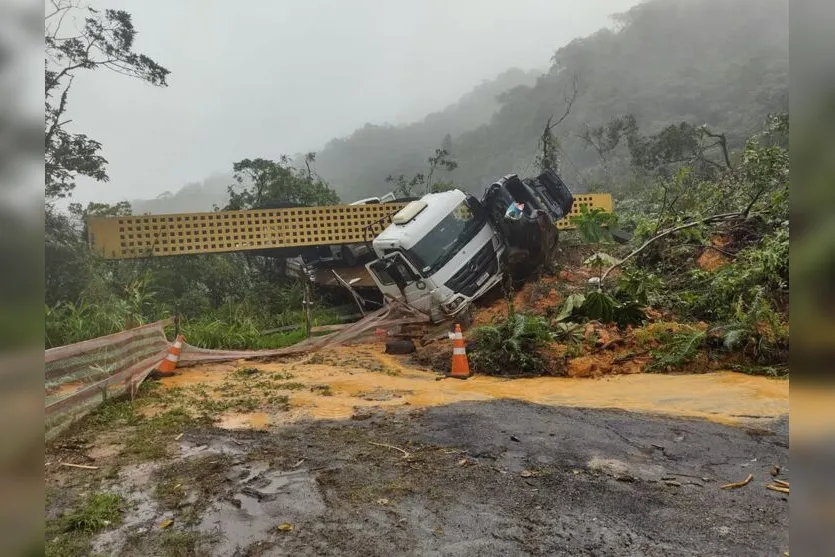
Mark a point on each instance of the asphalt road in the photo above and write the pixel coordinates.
(513, 478)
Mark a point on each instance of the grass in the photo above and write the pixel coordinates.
(97, 512)
(71, 535)
(245, 372)
(169, 543)
(677, 350)
(242, 330)
(279, 402)
(291, 386)
(179, 543)
(150, 439)
(323, 390)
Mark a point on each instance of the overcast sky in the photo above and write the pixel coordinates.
(261, 78)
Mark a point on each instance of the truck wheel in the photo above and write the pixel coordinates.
(400, 346)
(465, 318)
(348, 256)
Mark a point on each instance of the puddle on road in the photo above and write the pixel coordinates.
(263, 500)
(725, 397)
(251, 420)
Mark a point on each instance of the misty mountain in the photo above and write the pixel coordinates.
(712, 62)
(193, 197)
(357, 165)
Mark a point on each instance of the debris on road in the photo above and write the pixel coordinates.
(82, 466)
(737, 485)
(781, 489)
(406, 454)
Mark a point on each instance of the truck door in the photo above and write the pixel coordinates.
(394, 269)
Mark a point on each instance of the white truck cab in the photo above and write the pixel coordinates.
(444, 250)
(439, 253)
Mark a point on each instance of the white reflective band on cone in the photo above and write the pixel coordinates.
(459, 352)
(457, 336)
(172, 357)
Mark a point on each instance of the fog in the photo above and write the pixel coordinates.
(261, 79)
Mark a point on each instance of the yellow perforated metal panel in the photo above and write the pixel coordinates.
(258, 229)
(590, 200)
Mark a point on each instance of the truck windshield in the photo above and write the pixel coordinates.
(445, 240)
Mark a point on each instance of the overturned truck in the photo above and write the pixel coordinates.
(447, 249)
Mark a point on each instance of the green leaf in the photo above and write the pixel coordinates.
(630, 313)
(600, 259)
(599, 306)
(572, 303)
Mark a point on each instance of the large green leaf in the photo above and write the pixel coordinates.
(599, 306)
(572, 303)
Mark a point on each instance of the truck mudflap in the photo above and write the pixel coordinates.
(525, 212)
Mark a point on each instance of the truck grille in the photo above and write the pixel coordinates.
(465, 281)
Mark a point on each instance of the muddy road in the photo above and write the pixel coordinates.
(402, 473)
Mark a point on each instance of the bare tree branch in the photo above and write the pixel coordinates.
(754, 200)
(723, 142)
(56, 116)
(569, 102)
(706, 220)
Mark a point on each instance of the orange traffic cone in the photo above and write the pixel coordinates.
(460, 365)
(169, 364)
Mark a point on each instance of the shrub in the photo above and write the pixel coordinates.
(510, 348)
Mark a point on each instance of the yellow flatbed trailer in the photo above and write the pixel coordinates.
(258, 229)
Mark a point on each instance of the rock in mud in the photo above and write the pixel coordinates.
(400, 346)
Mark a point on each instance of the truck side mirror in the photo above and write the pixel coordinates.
(395, 274)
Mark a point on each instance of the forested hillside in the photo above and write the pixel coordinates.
(712, 62)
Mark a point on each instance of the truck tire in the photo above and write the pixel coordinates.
(465, 318)
(400, 346)
(348, 256)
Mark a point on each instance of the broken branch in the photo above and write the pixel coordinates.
(722, 141)
(83, 466)
(779, 488)
(706, 220)
(405, 453)
(736, 485)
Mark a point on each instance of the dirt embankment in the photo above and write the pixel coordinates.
(591, 349)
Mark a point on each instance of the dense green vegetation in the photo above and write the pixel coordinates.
(709, 253)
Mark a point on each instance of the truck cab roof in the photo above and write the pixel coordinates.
(437, 206)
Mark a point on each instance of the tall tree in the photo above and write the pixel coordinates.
(440, 160)
(549, 143)
(263, 183)
(102, 40)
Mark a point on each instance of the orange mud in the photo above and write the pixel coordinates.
(251, 420)
(361, 378)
